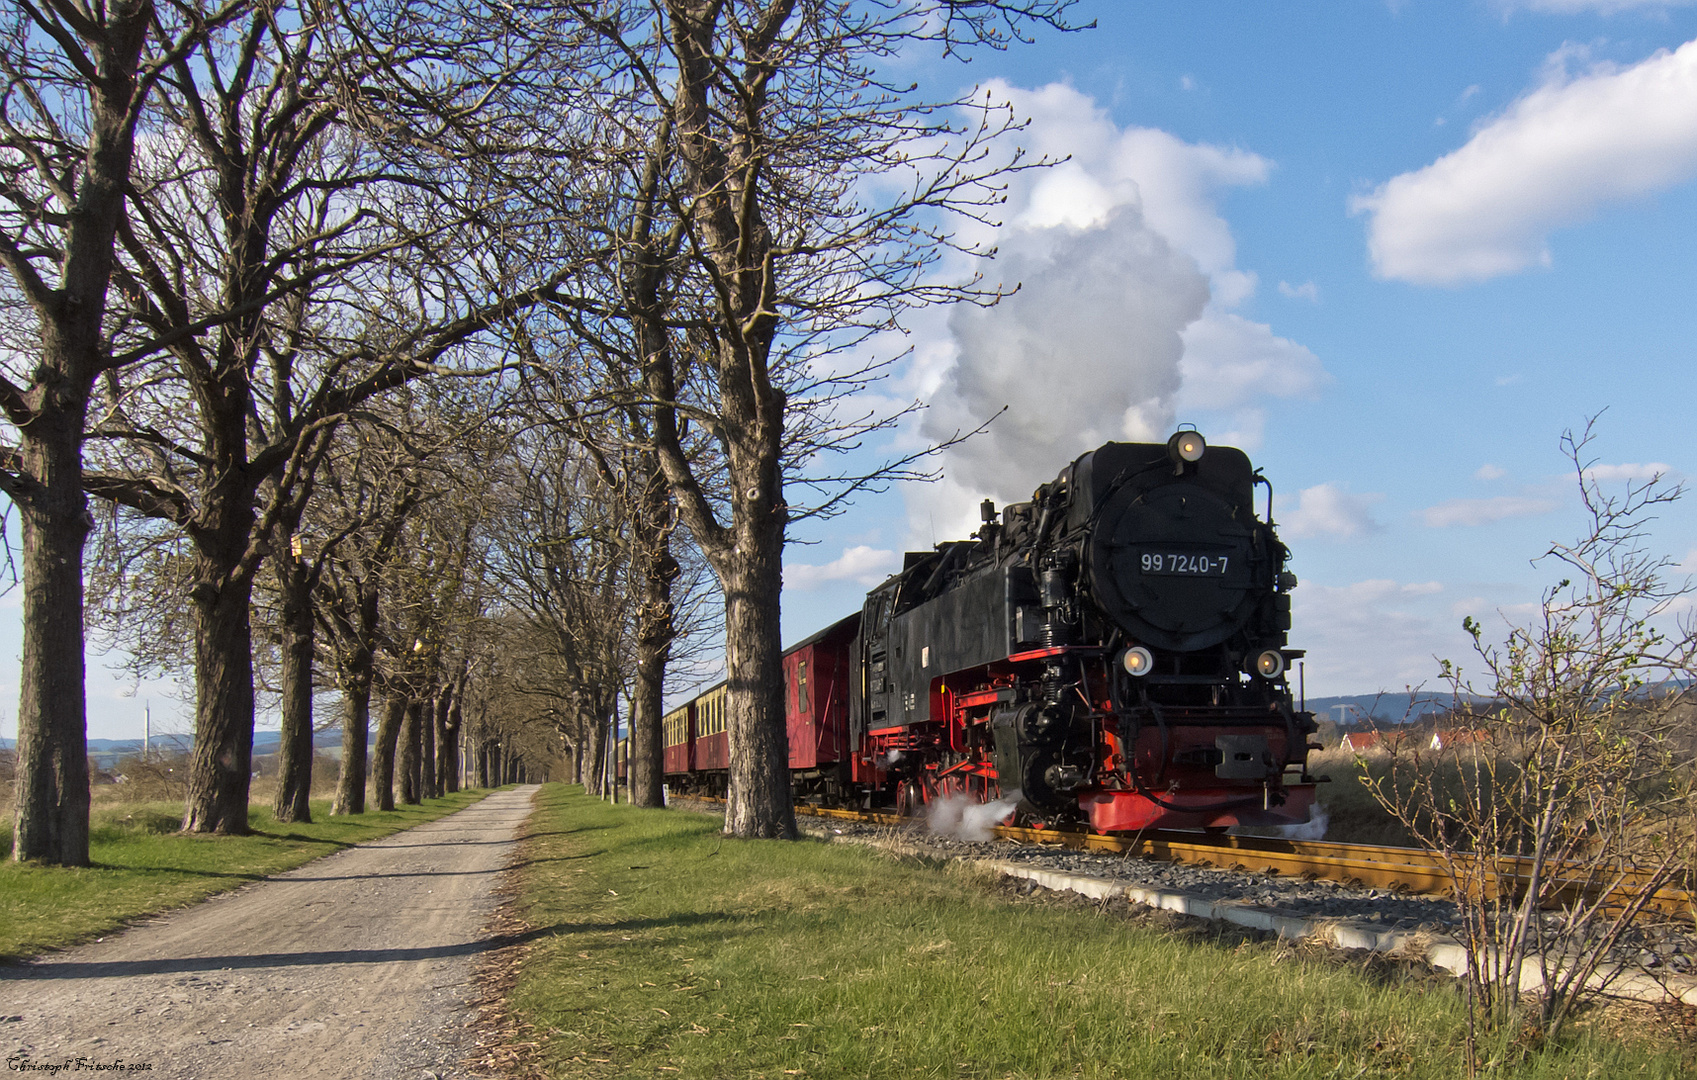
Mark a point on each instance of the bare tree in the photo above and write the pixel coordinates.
(561, 557)
(611, 438)
(332, 258)
(366, 499)
(78, 78)
(1577, 800)
(435, 593)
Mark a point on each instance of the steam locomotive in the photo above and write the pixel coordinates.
(1111, 653)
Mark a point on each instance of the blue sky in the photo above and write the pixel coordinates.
(1430, 237)
(1392, 249)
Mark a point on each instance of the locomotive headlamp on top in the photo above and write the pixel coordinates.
(1186, 447)
(1270, 664)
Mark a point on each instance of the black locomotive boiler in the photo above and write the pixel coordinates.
(1114, 651)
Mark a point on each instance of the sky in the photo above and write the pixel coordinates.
(1393, 250)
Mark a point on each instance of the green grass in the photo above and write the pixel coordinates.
(142, 865)
(663, 950)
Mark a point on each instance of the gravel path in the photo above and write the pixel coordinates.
(357, 965)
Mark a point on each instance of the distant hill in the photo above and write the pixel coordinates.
(1384, 708)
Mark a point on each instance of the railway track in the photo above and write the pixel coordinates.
(1377, 866)
(1350, 896)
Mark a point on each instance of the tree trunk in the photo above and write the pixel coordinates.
(427, 748)
(595, 769)
(220, 767)
(294, 752)
(52, 796)
(729, 219)
(412, 741)
(356, 732)
(496, 779)
(383, 760)
(450, 740)
(51, 799)
(655, 630)
(580, 763)
(647, 766)
(759, 802)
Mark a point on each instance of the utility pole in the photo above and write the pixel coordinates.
(147, 730)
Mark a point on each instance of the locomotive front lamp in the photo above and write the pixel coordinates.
(1138, 661)
(1270, 664)
(1187, 446)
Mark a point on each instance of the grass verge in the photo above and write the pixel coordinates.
(664, 950)
(143, 865)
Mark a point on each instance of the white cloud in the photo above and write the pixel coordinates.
(1328, 510)
(1306, 291)
(1629, 471)
(861, 564)
(1484, 511)
(1551, 159)
(1230, 362)
(1373, 635)
(1491, 472)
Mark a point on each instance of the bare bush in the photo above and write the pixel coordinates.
(1573, 804)
(152, 779)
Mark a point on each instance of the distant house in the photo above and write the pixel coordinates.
(1450, 740)
(1357, 742)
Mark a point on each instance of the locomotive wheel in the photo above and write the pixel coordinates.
(908, 799)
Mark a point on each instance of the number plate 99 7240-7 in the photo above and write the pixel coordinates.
(1184, 564)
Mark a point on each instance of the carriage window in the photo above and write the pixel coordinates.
(801, 686)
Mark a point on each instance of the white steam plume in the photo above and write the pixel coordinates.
(963, 818)
(1312, 829)
(1123, 322)
(1087, 351)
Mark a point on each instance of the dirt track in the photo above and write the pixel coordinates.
(357, 965)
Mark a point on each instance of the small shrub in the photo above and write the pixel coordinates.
(1577, 803)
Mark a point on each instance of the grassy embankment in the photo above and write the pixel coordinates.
(668, 951)
(142, 865)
